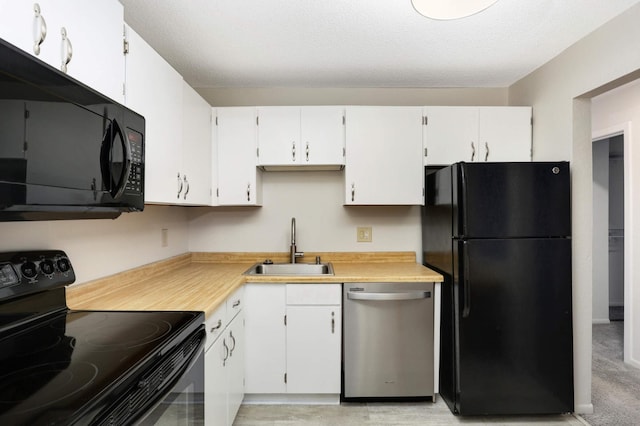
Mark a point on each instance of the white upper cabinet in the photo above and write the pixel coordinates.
(83, 39)
(196, 148)
(455, 134)
(154, 89)
(505, 134)
(384, 156)
(238, 178)
(301, 136)
(450, 135)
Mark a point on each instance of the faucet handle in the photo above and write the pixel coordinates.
(318, 260)
(267, 262)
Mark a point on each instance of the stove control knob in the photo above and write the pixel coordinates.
(46, 266)
(63, 264)
(29, 270)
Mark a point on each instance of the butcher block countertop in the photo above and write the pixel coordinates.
(203, 281)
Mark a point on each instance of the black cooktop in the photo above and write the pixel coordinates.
(73, 364)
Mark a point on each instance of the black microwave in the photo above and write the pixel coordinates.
(66, 151)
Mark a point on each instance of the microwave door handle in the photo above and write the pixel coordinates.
(116, 188)
(119, 188)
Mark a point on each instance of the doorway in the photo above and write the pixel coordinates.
(608, 224)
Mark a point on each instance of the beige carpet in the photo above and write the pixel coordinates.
(615, 385)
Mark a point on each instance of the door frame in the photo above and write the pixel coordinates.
(624, 129)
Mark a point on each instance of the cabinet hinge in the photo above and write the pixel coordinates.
(217, 192)
(344, 152)
(257, 120)
(531, 121)
(216, 120)
(344, 120)
(285, 320)
(125, 46)
(426, 150)
(124, 89)
(257, 152)
(285, 377)
(425, 120)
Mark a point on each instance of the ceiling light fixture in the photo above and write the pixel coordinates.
(450, 9)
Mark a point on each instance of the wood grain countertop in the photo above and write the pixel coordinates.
(203, 281)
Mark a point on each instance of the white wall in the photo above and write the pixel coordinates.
(559, 92)
(415, 96)
(103, 247)
(315, 199)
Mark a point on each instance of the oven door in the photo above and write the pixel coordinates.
(184, 403)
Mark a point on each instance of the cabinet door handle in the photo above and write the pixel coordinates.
(186, 183)
(353, 192)
(180, 183)
(333, 323)
(217, 326)
(235, 304)
(307, 151)
(293, 151)
(226, 352)
(249, 191)
(41, 26)
(473, 151)
(486, 154)
(67, 48)
(234, 343)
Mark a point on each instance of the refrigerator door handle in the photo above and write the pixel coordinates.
(463, 200)
(466, 290)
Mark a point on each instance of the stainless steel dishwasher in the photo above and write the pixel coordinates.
(388, 340)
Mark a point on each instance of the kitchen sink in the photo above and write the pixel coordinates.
(290, 269)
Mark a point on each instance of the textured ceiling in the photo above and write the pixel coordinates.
(360, 43)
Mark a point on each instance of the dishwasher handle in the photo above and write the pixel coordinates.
(412, 295)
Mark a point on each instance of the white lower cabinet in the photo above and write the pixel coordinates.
(293, 339)
(265, 362)
(224, 364)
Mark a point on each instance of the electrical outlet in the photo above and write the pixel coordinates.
(365, 234)
(164, 237)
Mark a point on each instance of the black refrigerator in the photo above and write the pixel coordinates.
(500, 233)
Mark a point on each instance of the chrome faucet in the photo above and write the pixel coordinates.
(293, 253)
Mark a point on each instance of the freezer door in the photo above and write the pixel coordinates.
(514, 326)
(511, 200)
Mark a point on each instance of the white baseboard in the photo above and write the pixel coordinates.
(584, 409)
(281, 399)
(601, 321)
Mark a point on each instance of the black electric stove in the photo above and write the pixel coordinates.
(59, 366)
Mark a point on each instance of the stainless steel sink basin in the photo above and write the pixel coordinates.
(290, 269)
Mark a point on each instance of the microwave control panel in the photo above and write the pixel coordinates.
(135, 181)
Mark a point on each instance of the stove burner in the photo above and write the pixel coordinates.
(116, 337)
(50, 383)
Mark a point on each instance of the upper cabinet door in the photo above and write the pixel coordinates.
(453, 134)
(322, 135)
(505, 134)
(450, 135)
(238, 177)
(83, 39)
(301, 136)
(279, 135)
(154, 89)
(196, 147)
(384, 156)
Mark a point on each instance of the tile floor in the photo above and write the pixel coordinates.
(381, 414)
